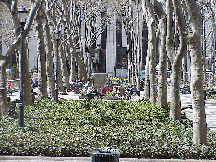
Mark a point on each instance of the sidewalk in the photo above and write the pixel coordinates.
(85, 159)
(210, 109)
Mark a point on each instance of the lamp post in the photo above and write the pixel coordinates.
(23, 13)
(77, 70)
(57, 38)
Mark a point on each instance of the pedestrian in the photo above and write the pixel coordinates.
(111, 89)
(121, 90)
(104, 90)
(9, 88)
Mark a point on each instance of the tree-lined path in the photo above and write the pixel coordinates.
(210, 109)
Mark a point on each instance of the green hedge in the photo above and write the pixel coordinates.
(71, 128)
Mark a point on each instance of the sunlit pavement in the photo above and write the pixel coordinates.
(84, 159)
(210, 109)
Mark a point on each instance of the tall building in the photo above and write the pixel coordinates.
(114, 44)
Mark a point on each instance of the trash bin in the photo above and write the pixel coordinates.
(105, 155)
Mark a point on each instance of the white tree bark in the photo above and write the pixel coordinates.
(184, 68)
(42, 78)
(64, 66)
(27, 98)
(199, 119)
(147, 81)
(59, 68)
(169, 44)
(175, 57)
(162, 73)
(148, 9)
(152, 59)
(50, 70)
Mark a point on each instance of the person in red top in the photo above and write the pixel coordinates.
(9, 88)
(9, 85)
(104, 90)
(111, 89)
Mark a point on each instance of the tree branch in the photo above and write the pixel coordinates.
(17, 42)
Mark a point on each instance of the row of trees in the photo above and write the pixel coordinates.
(175, 24)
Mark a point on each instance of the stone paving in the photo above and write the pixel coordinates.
(210, 109)
(84, 159)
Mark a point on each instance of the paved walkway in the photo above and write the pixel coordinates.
(210, 109)
(84, 159)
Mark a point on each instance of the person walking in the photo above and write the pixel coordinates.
(121, 91)
(9, 88)
(104, 90)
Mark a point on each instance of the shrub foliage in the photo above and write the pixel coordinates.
(71, 128)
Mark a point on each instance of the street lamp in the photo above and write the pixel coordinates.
(76, 69)
(57, 38)
(23, 13)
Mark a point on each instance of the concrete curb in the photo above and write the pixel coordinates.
(87, 159)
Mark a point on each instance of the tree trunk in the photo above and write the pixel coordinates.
(73, 62)
(175, 108)
(59, 68)
(64, 66)
(184, 68)
(169, 38)
(162, 73)
(3, 90)
(147, 81)
(137, 48)
(152, 56)
(27, 98)
(148, 8)
(199, 119)
(129, 56)
(42, 78)
(50, 71)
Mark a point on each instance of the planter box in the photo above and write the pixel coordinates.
(110, 98)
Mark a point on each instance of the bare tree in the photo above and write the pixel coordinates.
(12, 48)
(162, 73)
(199, 119)
(42, 78)
(151, 48)
(175, 56)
